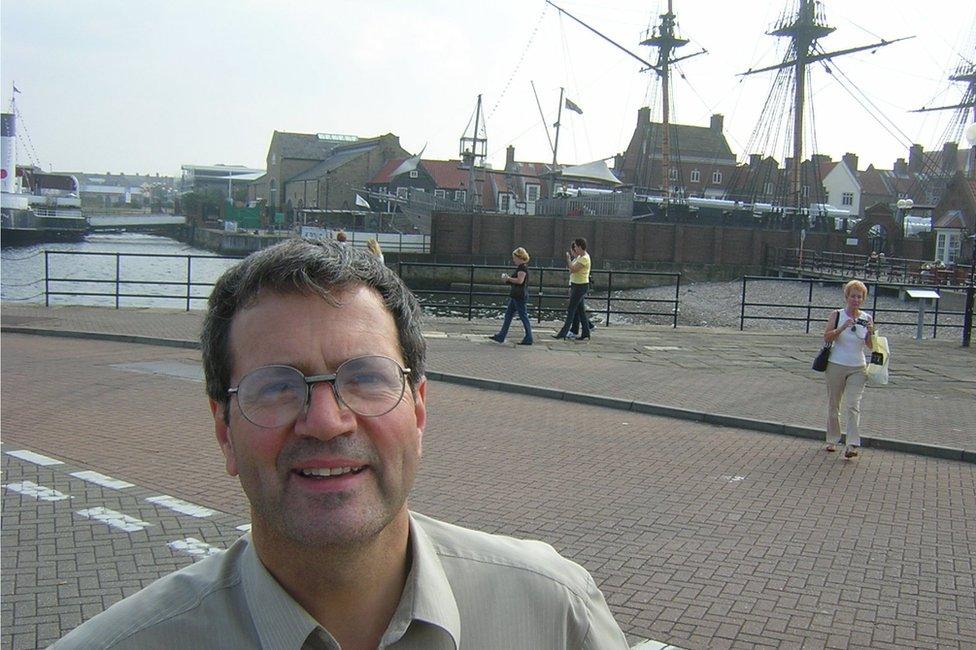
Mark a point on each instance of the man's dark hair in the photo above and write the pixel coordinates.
(320, 269)
(580, 243)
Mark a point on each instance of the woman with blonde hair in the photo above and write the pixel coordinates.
(517, 297)
(374, 248)
(850, 331)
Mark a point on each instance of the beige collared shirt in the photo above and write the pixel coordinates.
(466, 589)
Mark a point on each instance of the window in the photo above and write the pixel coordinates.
(806, 191)
(947, 245)
(413, 173)
(769, 188)
(440, 194)
(504, 201)
(403, 192)
(826, 197)
(674, 174)
(695, 176)
(460, 195)
(716, 177)
(532, 193)
(847, 198)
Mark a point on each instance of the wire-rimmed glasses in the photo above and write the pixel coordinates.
(274, 396)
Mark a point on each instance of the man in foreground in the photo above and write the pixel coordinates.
(314, 363)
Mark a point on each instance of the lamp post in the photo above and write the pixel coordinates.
(967, 322)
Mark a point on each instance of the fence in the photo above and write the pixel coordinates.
(858, 265)
(477, 289)
(786, 311)
(129, 286)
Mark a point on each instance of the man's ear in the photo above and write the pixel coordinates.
(222, 432)
(420, 412)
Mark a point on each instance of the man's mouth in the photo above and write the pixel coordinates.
(328, 472)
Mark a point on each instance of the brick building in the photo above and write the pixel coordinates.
(702, 164)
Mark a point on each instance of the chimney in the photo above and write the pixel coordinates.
(950, 152)
(755, 159)
(915, 159)
(643, 115)
(900, 167)
(851, 160)
(820, 158)
(717, 123)
(510, 158)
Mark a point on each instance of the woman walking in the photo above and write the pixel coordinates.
(850, 331)
(517, 297)
(578, 263)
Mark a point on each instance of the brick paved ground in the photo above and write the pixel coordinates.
(699, 535)
(754, 375)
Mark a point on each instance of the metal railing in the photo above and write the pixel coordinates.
(807, 308)
(477, 289)
(887, 270)
(75, 285)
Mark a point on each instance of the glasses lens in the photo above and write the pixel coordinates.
(272, 396)
(370, 386)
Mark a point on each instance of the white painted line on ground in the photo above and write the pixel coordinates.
(31, 489)
(435, 335)
(183, 507)
(101, 479)
(194, 546)
(31, 457)
(661, 348)
(244, 528)
(115, 519)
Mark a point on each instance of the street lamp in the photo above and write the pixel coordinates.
(904, 205)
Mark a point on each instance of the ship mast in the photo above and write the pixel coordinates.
(666, 42)
(804, 30)
(965, 73)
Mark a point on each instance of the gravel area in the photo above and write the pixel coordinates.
(719, 304)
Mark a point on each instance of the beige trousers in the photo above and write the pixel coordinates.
(847, 383)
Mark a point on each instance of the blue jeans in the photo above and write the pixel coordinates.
(575, 311)
(519, 306)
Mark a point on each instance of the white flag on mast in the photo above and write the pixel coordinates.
(360, 201)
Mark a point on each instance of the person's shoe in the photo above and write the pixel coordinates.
(850, 452)
(497, 339)
(830, 448)
(582, 338)
(558, 336)
(571, 336)
(591, 324)
(523, 342)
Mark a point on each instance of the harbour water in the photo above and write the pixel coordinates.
(23, 272)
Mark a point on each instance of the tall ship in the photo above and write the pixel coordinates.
(36, 206)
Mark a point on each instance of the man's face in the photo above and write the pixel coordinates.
(281, 469)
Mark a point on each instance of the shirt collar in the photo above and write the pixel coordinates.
(427, 594)
(279, 620)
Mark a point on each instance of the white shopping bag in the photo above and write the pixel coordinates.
(877, 370)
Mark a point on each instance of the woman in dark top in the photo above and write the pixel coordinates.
(518, 296)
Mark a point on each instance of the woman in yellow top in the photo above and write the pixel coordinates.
(578, 263)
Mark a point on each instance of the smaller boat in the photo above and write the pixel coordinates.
(36, 206)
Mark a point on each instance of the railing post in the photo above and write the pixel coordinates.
(118, 266)
(742, 307)
(47, 286)
(189, 284)
(609, 290)
(809, 303)
(677, 301)
(470, 291)
(538, 313)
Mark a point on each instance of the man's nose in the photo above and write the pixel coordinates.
(325, 416)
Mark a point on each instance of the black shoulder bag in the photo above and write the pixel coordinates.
(820, 363)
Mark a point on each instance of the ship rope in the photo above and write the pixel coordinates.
(21, 124)
(518, 64)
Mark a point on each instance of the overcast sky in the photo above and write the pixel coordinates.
(145, 87)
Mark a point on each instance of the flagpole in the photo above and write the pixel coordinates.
(559, 119)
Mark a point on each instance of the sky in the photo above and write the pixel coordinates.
(139, 87)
